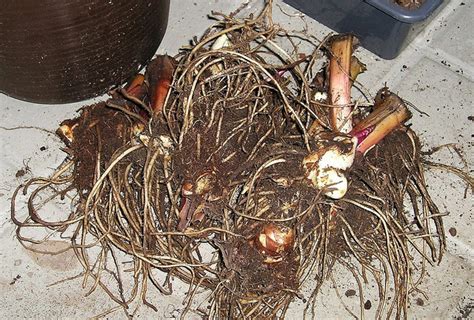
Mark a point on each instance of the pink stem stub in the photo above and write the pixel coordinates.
(281, 72)
(340, 83)
(362, 134)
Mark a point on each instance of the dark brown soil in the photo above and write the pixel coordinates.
(410, 4)
(100, 131)
(257, 277)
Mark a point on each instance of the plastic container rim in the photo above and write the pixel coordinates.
(404, 15)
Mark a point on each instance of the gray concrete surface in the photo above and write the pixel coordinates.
(436, 73)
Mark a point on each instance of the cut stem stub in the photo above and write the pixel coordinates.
(389, 113)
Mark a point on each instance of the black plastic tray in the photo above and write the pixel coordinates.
(382, 26)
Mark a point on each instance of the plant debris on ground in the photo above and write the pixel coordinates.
(231, 166)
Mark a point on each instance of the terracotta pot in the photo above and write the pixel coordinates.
(64, 51)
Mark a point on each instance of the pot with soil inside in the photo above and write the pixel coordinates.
(384, 27)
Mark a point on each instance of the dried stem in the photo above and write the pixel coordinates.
(340, 82)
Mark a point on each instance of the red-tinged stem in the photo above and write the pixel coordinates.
(159, 75)
(388, 115)
(184, 214)
(136, 90)
(136, 87)
(340, 83)
(363, 134)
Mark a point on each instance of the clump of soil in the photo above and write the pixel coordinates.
(97, 134)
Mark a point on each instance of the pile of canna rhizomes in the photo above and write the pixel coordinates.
(247, 172)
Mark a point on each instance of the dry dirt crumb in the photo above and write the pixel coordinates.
(453, 231)
(350, 293)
